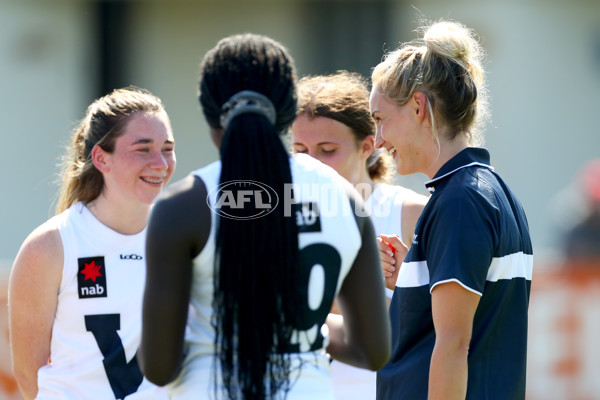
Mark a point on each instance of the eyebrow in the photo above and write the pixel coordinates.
(318, 144)
(322, 143)
(146, 141)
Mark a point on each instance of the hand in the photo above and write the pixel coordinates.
(391, 253)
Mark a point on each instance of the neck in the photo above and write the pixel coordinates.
(364, 184)
(448, 149)
(127, 219)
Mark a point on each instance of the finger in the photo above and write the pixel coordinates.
(385, 244)
(400, 254)
(387, 273)
(386, 257)
(392, 248)
(385, 248)
(388, 267)
(393, 240)
(400, 249)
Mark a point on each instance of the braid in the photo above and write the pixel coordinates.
(253, 301)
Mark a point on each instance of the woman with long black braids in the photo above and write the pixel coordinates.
(245, 256)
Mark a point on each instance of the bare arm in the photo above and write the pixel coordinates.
(362, 336)
(453, 309)
(32, 299)
(178, 229)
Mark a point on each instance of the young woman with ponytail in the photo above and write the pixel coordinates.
(459, 308)
(76, 286)
(245, 257)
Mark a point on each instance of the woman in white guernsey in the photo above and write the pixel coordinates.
(334, 125)
(76, 286)
(246, 255)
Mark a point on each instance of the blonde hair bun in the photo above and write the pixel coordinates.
(454, 40)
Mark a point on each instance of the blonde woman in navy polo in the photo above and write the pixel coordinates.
(459, 308)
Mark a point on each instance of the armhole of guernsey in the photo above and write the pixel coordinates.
(64, 226)
(210, 175)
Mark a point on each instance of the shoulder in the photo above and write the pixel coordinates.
(210, 171)
(469, 185)
(42, 252)
(181, 212)
(411, 201)
(44, 240)
(463, 206)
(302, 163)
(181, 189)
(308, 170)
(414, 201)
(182, 197)
(484, 192)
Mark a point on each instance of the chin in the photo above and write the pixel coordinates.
(403, 171)
(148, 198)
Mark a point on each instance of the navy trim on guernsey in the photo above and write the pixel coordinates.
(473, 231)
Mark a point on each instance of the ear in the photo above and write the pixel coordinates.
(367, 146)
(420, 107)
(99, 159)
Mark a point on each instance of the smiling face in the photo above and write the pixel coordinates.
(402, 132)
(334, 144)
(143, 160)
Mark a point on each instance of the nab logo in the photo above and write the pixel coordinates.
(307, 217)
(242, 200)
(91, 277)
(130, 257)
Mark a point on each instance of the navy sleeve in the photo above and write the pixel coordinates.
(460, 239)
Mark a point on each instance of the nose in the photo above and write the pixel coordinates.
(159, 161)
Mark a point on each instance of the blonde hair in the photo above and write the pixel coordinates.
(344, 97)
(445, 65)
(104, 122)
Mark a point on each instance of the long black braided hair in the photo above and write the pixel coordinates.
(255, 259)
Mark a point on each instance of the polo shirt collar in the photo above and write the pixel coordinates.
(466, 158)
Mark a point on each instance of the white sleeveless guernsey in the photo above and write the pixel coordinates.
(385, 207)
(332, 229)
(97, 326)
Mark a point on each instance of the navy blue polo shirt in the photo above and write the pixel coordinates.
(473, 231)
